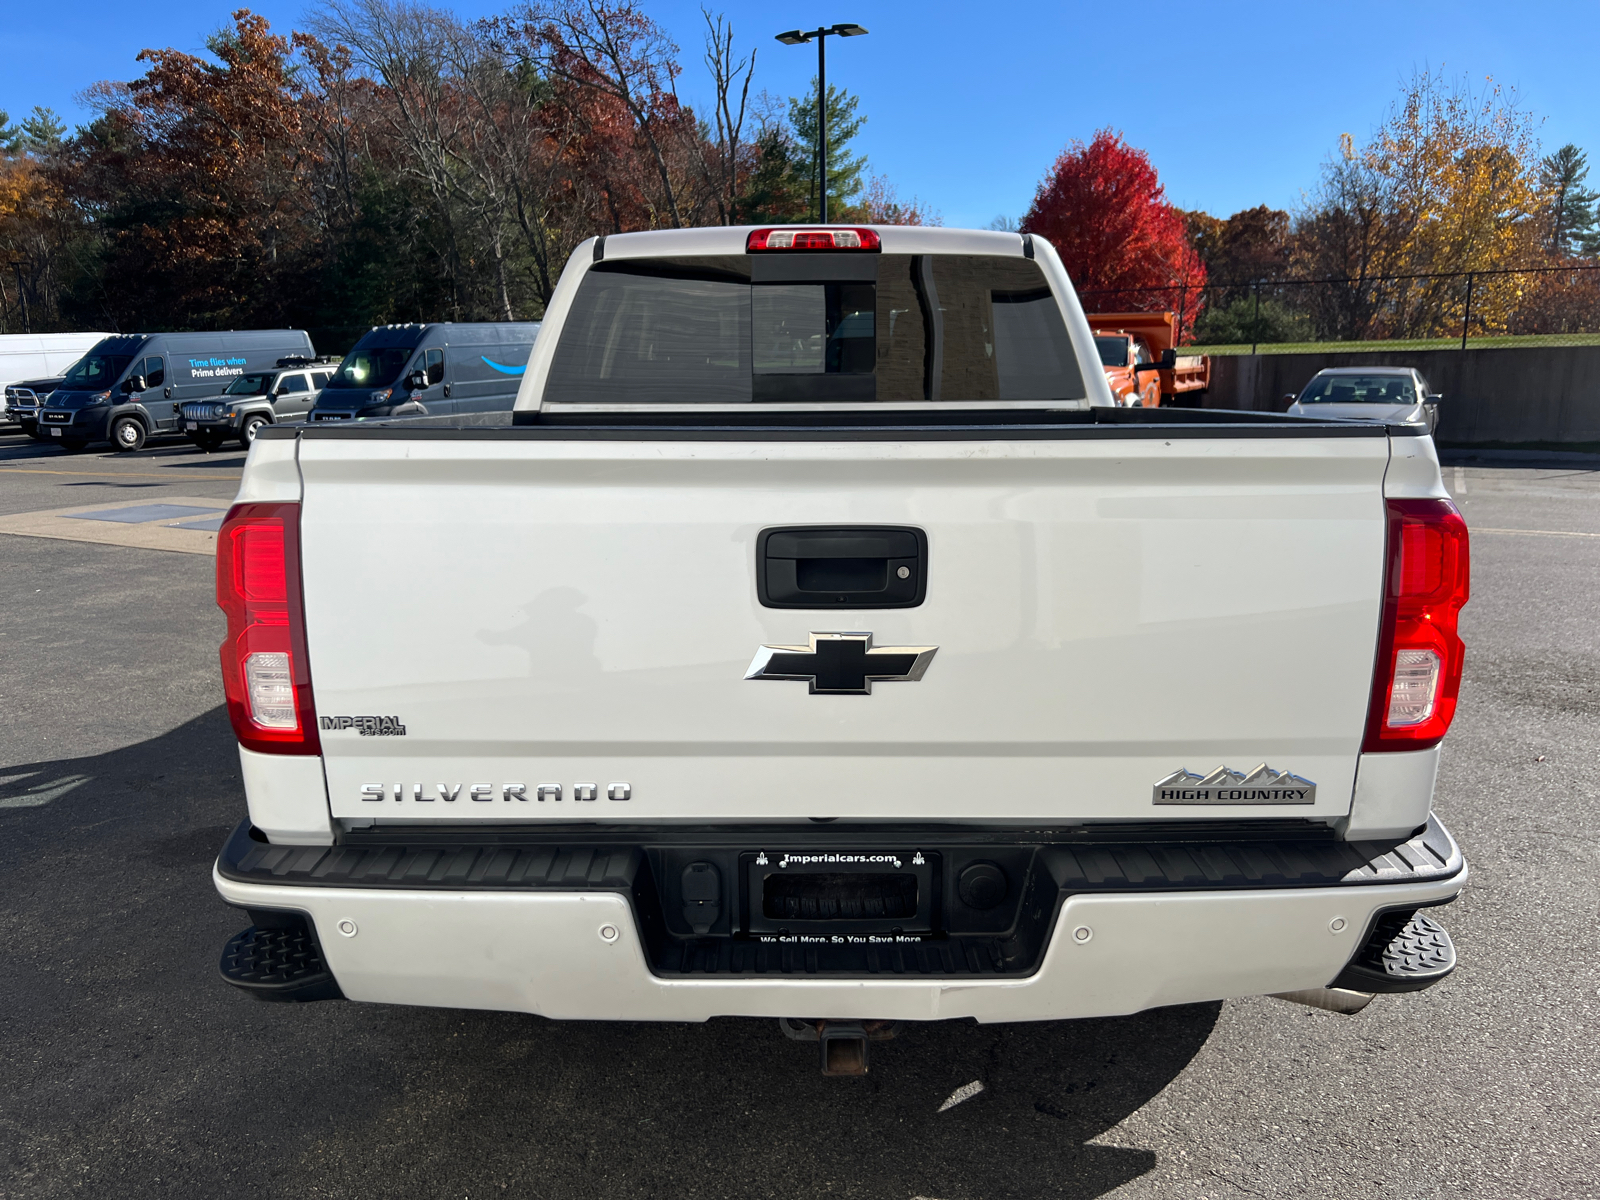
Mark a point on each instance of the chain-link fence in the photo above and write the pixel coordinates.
(1555, 306)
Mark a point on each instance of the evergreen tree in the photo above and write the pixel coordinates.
(780, 188)
(42, 132)
(1572, 206)
(844, 168)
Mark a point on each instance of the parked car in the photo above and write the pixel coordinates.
(31, 358)
(24, 399)
(817, 642)
(1141, 363)
(429, 370)
(281, 396)
(1399, 395)
(130, 387)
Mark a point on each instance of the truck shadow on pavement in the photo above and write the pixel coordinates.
(133, 1070)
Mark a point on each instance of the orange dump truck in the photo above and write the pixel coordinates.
(1141, 364)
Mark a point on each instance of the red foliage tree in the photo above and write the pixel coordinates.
(1104, 210)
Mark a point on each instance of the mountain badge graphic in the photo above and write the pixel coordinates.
(1262, 785)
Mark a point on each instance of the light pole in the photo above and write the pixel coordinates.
(799, 37)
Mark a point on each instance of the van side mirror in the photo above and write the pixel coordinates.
(134, 383)
(417, 380)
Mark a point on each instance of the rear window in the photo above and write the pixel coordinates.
(1360, 389)
(808, 328)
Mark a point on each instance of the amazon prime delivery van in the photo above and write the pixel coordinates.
(444, 369)
(132, 386)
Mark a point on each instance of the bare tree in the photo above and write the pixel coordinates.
(614, 50)
(422, 55)
(527, 140)
(726, 72)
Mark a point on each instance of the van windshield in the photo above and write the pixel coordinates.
(248, 385)
(797, 328)
(1360, 389)
(96, 371)
(371, 367)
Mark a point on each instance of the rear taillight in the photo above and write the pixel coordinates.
(265, 675)
(1418, 672)
(792, 238)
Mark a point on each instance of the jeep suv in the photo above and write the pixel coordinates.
(277, 397)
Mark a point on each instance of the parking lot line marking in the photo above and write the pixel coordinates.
(965, 1092)
(169, 526)
(1536, 532)
(43, 793)
(126, 475)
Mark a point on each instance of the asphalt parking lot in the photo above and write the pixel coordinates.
(130, 1070)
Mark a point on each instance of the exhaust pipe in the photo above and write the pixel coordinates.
(842, 1044)
(1339, 1000)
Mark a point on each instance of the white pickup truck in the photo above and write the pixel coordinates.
(819, 642)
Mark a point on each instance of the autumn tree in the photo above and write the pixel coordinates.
(624, 61)
(198, 177)
(1255, 243)
(44, 238)
(1239, 253)
(449, 104)
(1103, 208)
(1446, 185)
(880, 204)
(394, 163)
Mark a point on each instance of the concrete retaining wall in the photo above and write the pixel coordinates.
(1544, 396)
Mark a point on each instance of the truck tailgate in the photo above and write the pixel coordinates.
(560, 611)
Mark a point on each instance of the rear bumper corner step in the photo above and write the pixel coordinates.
(1405, 952)
(279, 961)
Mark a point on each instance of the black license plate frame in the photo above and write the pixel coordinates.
(759, 865)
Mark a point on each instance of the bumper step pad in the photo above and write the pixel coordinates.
(1405, 952)
(282, 963)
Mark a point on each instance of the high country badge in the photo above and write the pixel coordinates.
(1224, 786)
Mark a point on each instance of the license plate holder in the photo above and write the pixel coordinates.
(831, 894)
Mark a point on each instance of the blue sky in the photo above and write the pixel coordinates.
(968, 104)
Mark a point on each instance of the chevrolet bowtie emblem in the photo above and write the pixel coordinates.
(841, 664)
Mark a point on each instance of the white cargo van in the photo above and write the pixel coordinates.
(25, 356)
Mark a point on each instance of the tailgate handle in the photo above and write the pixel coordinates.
(842, 566)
